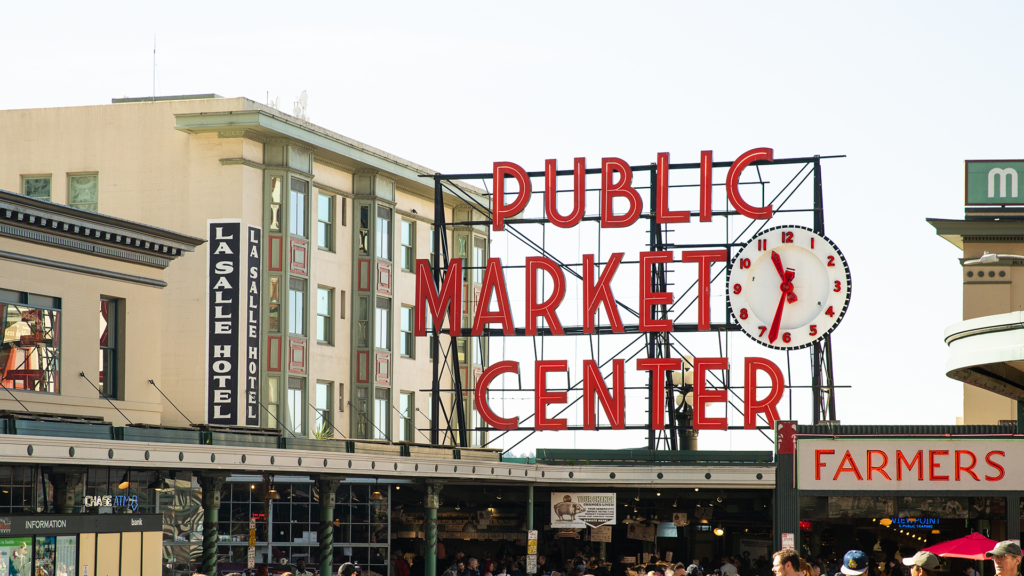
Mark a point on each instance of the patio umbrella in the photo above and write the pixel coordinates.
(972, 546)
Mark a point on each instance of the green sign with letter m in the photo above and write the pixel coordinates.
(993, 182)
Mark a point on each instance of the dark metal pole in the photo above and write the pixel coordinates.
(821, 353)
(435, 386)
(652, 346)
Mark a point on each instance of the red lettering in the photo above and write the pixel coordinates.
(703, 396)
(988, 458)
(427, 295)
(494, 281)
(918, 459)
(595, 294)
(622, 189)
(663, 214)
(547, 307)
(579, 193)
(480, 396)
(658, 367)
(932, 465)
(705, 185)
(648, 298)
(499, 210)
(852, 468)
(818, 464)
(881, 467)
(732, 181)
(542, 397)
(968, 469)
(703, 258)
(614, 404)
(768, 405)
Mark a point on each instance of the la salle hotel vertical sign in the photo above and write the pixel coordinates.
(233, 323)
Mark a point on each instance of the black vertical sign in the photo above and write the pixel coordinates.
(252, 328)
(223, 322)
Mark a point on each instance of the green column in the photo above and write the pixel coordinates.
(529, 506)
(328, 488)
(211, 486)
(430, 529)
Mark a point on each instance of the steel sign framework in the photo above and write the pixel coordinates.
(796, 198)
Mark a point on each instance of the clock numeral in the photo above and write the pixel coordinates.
(829, 312)
(812, 242)
(736, 288)
(743, 313)
(831, 260)
(814, 329)
(787, 338)
(762, 328)
(762, 245)
(839, 286)
(787, 237)
(744, 263)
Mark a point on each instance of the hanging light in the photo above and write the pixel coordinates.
(469, 528)
(457, 505)
(658, 493)
(675, 503)
(397, 487)
(499, 494)
(696, 489)
(376, 496)
(719, 531)
(156, 484)
(124, 482)
(272, 494)
(698, 504)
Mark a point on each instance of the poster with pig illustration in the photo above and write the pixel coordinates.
(580, 510)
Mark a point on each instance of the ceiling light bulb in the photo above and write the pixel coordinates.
(658, 493)
(696, 489)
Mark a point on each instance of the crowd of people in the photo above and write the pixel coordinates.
(1005, 557)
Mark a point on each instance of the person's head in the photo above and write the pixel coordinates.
(473, 563)
(347, 569)
(261, 570)
(302, 565)
(460, 565)
(855, 563)
(786, 562)
(815, 569)
(923, 564)
(1006, 557)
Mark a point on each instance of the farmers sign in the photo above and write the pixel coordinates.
(576, 510)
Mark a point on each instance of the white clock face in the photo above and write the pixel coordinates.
(788, 287)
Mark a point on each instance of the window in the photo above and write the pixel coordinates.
(405, 409)
(324, 315)
(325, 225)
(110, 342)
(341, 306)
(361, 418)
(38, 187)
(383, 324)
(344, 211)
(478, 350)
(408, 254)
(30, 350)
(430, 333)
(479, 260)
(275, 203)
(383, 233)
(460, 346)
(84, 191)
(297, 208)
(296, 405)
(297, 306)
(323, 410)
(380, 413)
(364, 229)
(408, 344)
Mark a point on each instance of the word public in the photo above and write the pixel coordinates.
(616, 182)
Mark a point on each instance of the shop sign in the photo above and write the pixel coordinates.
(233, 325)
(993, 182)
(680, 519)
(911, 464)
(5, 525)
(916, 523)
(579, 510)
(641, 532)
(128, 502)
(531, 564)
(601, 534)
(788, 540)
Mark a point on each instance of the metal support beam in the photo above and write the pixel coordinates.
(430, 505)
(211, 485)
(327, 487)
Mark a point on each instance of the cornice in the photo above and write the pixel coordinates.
(348, 168)
(248, 134)
(243, 162)
(332, 190)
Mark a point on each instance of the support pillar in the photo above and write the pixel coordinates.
(327, 487)
(64, 484)
(211, 486)
(529, 507)
(430, 505)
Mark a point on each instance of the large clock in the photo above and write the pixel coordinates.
(788, 287)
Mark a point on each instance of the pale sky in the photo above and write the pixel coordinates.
(906, 90)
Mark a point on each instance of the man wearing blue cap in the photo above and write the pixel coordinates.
(855, 563)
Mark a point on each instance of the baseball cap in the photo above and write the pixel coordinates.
(1004, 547)
(346, 569)
(855, 563)
(925, 560)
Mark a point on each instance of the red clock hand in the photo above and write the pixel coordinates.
(778, 265)
(790, 295)
(774, 332)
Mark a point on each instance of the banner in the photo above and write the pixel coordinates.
(233, 323)
(641, 532)
(579, 510)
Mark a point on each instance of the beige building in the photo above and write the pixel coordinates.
(340, 223)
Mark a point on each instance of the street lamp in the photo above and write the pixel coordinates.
(989, 258)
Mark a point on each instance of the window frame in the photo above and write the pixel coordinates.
(324, 415)
(383, 233)
(292, 216)
(408, 255)
(300, 428)
(407, 334)
(113, 389)
(25, 177)
(382, 328)
(406, 425)
(77, 206)
(326, 318)
(35, 302)
(381, 430)
(294, 315)
(325, 241)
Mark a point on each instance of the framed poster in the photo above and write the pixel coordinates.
(16, 556)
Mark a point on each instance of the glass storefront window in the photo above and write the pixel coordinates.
(30, 351)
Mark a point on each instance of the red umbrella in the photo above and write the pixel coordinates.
(972, 546)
